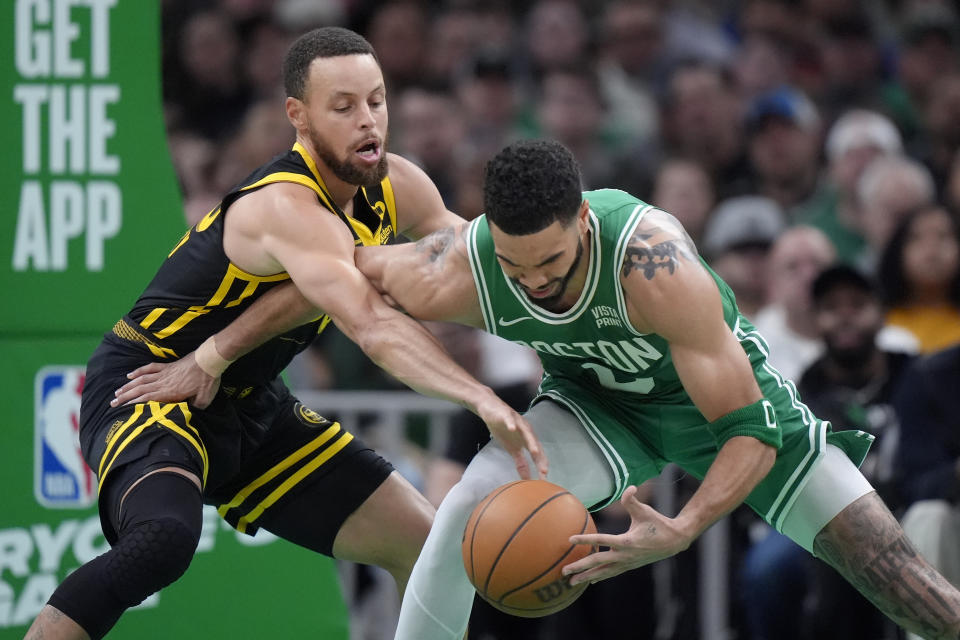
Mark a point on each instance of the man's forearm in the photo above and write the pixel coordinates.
(409, 352)
(279, 310)
(740, 465)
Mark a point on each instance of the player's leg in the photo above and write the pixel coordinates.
(311, 482)
(395, 507)
(846, 524)
(157, 526)
(865, 543)
(439, 597)
(348, 502)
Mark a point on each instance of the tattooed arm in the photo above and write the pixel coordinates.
(668, 292)
(430, 279)
(659, 243)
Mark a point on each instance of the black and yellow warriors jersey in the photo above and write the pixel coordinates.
(198, 291)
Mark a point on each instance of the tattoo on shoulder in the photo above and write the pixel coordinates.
(658, 247)
(437, 244)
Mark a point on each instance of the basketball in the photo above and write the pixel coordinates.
(517, 541)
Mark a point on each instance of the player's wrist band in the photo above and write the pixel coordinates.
(210, 360)
(757, 420)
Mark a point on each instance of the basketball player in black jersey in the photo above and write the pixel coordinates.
(253, 451)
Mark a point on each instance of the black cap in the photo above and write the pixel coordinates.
(838, 276)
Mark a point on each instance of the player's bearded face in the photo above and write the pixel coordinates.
(561, 283)
(345, 164)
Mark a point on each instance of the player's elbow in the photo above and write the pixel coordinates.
(766, 456)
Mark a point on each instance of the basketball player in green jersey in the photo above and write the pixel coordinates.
(255, 452)
(646, 361)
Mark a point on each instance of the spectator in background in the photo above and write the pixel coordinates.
(683, 188)
(703, 121)
(774, 18)
(263, 60)
(787, 25)
(557, 36)
(888, 189)
(431, 134)
(857, 138)
(928, 50)
(211, 98)
(920, 275)
(951, 191)
(399, 35)
(736, 243)
(490, 99)
(939, 138)
(787, 322)
(264, 133)
(633, 65)
(784, 138)
(195, 161)
(696, 31)
(850, 54)
(454, 35)
(761, 65)
(929, 459)
(496, 26)
(852, 386)
(569, 109)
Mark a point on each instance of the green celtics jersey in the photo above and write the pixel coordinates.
(621, 384)
(593, 343)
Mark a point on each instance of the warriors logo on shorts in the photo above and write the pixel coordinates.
(309, 417)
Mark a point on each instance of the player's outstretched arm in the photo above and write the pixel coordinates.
(196, 376)
(319, 256)
(668, 292)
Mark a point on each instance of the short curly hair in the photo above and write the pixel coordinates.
(325, 42)
(529, 184)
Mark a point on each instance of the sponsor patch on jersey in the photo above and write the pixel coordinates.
(62, 478)
(308, 416)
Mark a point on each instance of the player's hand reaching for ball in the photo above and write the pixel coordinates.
(515, 434)
(651, 537)
(174, 381)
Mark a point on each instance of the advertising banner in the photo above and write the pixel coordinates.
(90, 207)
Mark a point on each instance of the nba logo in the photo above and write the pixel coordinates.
(61, 477)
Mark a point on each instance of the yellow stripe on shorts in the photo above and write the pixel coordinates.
(293, 480)
(279, 468)
(157, 417)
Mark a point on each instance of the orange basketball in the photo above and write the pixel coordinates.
(517, 541)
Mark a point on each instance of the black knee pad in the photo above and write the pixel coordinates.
(148, 557)
(160, 522)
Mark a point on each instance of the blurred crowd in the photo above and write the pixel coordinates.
(810, 147)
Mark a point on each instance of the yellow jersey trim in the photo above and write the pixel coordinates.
(391, 203)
